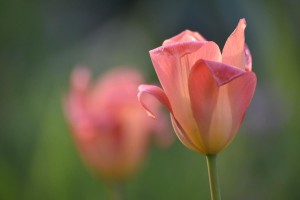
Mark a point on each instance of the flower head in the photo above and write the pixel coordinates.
(109, 126)
(207, 92)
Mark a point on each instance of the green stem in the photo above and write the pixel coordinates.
(116, 191)
(213, 177)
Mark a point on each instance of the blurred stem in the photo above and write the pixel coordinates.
(116, 191)
(213, 177)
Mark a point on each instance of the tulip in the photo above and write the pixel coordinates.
(207, 92)
(109, 126)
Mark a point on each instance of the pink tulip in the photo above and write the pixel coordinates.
(207, 92)
(110, 128)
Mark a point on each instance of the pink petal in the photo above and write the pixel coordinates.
(203, 93)
(235, 52)
(197, 49)
(220, 72)
(220, 95)
(173, 64)
(248, 59)
(105, 93)
(183, 137)
(240, 93)
(156, 92)
(185, 36)
(75, 101)
(80, 79)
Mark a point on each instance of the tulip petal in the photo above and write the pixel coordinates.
(173, 64)
(183, 137)
(80, 79)
(240, 93)
(156, 92)
(221, 73)
(248, 59)
(235, 52)
(185, 36)
(220, 95)
(203, 93)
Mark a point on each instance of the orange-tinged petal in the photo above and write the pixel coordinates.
(185, 36)
(156, 92)
(235, 52)
(233, 101)
(173, 64)
(220, 95)
(184, 137)
(203, 93)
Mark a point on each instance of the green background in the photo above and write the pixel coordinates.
(42, 41)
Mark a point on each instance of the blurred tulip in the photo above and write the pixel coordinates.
(207, 92)
(110, 128)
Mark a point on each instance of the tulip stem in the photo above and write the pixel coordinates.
(213, 177)
(116, 191)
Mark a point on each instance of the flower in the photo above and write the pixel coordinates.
(207, 92)
(109, 126)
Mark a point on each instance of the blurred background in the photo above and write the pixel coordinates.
(42, 41)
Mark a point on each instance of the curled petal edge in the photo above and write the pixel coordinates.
(221, 73)
(156, 92)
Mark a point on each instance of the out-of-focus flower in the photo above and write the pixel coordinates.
(110, 128)
(207, 92)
